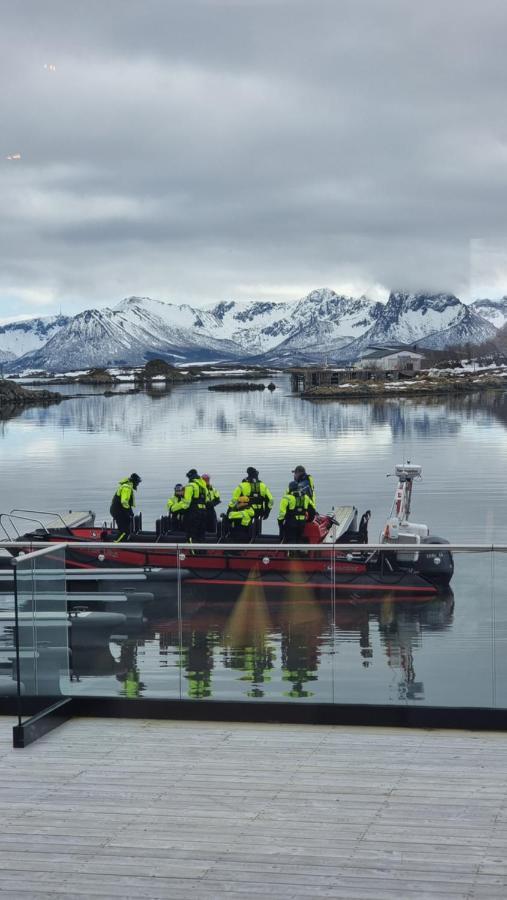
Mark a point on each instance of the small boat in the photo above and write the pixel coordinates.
(327, 559)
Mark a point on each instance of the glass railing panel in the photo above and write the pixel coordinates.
(465, 673)
(256, 623)
(405, 636)
(499, 644)
(264, 623)
(39, 609)
(125, 628)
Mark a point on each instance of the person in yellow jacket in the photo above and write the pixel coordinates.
(260, 496)
(240, 517)
(123, 503)
(212, 500)
(193, 507)
(305, 481)
(296, 509)
(176, 514)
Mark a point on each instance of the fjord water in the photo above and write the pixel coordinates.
(71, 455)
(448, 651)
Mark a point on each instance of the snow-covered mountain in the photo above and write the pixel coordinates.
(18, 338)
(432, 321)
(322, 326)
(127, 335)
(495, 311)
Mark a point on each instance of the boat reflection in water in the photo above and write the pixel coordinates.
(258, 645)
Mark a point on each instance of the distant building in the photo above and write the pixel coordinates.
(391, 358)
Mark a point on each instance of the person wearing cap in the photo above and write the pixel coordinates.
(212, 500)
(260, 496)
(296, 509)
(240, 517)
(192, 506)
(122, 505)
(176, 514)
(305, 481)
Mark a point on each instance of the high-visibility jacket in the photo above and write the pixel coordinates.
(131, 684)
(124, 496)
(173, 501)
(296, 507)
(213, 497)
(194, 496)
(241, 516)
(260, 496)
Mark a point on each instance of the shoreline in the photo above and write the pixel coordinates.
(436, 387)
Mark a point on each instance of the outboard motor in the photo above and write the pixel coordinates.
(436, 565)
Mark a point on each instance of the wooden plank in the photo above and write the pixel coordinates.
(198, 810)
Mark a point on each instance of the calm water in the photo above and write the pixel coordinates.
(448, 651)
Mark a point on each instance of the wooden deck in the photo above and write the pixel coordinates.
(130, 809)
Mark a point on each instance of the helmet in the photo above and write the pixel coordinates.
(135, 479)
(251, 472)
(299, 470)
(243, 501)
(294, 488)
(205, 477)
(178, 488)
(192, 473)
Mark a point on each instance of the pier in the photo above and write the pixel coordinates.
(194, 810)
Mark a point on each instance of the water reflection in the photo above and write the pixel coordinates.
(71, 455)
(190, 407)
(287, 649)
(307, 649)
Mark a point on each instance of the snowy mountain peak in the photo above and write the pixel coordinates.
(221, 309)
(321, 326)
(432, 321)
(134, 301)
(27, 335)
(495, 311)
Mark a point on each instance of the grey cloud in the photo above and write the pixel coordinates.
(186, 149)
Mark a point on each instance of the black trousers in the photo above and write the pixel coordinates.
(123, 520)
(194, 523)
(211, 519)
(293, 532)
(239, 534)
(176, 522)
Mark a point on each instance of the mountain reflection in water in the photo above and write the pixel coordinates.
(70, 456)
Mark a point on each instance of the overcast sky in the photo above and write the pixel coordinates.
(200, 150)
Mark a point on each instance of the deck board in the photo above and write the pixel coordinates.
(151, 809)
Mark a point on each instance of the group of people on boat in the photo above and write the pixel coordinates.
(192, 507)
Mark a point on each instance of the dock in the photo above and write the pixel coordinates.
(199, 810)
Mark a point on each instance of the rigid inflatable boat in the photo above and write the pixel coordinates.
(329, 557)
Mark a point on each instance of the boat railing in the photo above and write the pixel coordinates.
(30, 516)
(13, 516)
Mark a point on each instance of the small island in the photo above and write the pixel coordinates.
(97, 376)
(238, 386)
(160, 370)
(417, 387)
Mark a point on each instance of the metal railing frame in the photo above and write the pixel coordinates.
(54, 715)
(342, 548)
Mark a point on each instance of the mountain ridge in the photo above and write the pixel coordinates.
(323, 326)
